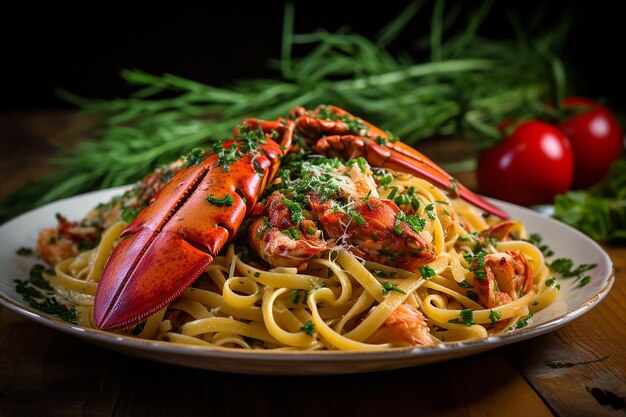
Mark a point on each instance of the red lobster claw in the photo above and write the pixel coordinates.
(339, 135)
(172, 241)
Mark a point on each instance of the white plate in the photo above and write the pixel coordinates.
(572, 302)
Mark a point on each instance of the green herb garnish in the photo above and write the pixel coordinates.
(308, 328)
(430, 208)
(266, 227)
(129, 213)
(537, 240)
(600, 212)
(292, 233)
(565, 267)
(494, 316)
(38, 294)
(466, 317)
(194, 157)
(356, 217)
(465, 284)
(296, 211)
(427, 272)
(388, 287)
(523, 322)
(24, 251)
(168, 113)
(225, 201)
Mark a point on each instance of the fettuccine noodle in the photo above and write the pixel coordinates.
(338, 301)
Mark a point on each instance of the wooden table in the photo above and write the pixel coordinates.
(45, 372)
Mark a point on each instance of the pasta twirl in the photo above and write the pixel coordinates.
(483, 278)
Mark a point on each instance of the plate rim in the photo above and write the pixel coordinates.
(125, 342)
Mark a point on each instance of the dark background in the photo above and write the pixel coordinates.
(82, 48)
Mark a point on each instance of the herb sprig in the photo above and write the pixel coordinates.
(600, 212)
(470, 83)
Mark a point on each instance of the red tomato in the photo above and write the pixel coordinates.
(596, 139)
(530, 167)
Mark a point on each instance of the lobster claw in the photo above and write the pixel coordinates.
(339, 133)
(172, 241)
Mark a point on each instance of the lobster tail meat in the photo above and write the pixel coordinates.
(172, 241)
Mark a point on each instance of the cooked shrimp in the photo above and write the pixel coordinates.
(406, 326)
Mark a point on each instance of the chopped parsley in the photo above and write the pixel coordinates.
(537, 240)
(479, 259)
(251, 137)
(258, 169)
(361, 163)
(550, 282)
(226, 156)
(266, 226)
(465, 284)
(584, 281)
(388, 287)
(565, 267)
(427, 272)
(296, 211)
(414, 222)
(193, 157)
(429, 211)
(385, 181)
(226, 201)
(466, 317)
(356, 217)
(129, 213)
(295, 296)
(308, 328)
(523, 322)
(292, 233)
(24, 251)
(494, 316)
(353, 124)
(36, 278)
(37, 293)
(367, 201)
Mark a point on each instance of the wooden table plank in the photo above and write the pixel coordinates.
(597, 388)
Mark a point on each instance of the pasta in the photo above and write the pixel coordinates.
(483, 279)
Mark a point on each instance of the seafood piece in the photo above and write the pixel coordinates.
(507, 276)
(374, 231)
(500, 231)
(338, 133)
(65, 241)
(343, 202)
(406, 326)
(69, 238)
(279, 240)
(175, 238)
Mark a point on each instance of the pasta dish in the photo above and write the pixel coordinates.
(336, 252)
